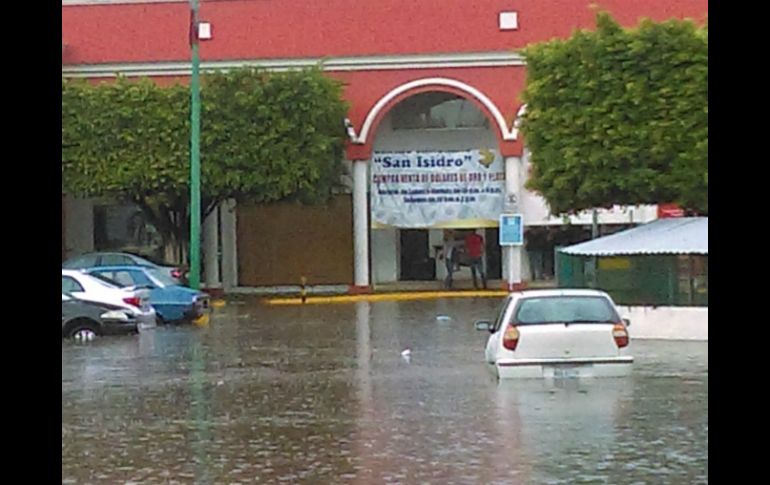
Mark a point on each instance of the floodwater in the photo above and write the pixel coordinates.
(323, 394)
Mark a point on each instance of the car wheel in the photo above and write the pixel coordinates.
(84, 332)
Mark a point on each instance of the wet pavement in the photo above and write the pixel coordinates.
(322, 394)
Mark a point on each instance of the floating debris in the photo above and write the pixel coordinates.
(407, 355)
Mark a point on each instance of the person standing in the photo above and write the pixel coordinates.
(474, 246)
(448, 254)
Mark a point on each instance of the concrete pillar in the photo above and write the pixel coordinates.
(512, 255)
(211, 249)
(227, 214)
(360, 224)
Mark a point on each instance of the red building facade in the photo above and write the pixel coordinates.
(385, 51)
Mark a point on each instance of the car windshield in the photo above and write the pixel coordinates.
(565, 309)
(162, 277)
(104, 281)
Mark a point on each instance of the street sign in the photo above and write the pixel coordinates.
(511, 230)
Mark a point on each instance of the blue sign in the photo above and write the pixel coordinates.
(511, 230)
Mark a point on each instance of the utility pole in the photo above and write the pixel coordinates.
(195, 154)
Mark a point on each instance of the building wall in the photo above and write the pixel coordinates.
(152, 39)
(79, 226)
(669, 323)
(384, 256)
(278, 244)
(299, 28)
(537, 213)
(373, 47)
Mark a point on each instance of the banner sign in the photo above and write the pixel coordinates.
(435, 189)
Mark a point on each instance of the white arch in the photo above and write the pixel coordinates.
(517, 121)
(508, 134)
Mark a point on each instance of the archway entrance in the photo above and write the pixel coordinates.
(435, 166)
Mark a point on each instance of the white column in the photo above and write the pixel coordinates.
(360, 223)
(512, 255)
(211, 249)
(229, 244)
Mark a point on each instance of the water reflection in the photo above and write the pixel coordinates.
(321, 394)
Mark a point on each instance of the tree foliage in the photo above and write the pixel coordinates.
(619, 116)
(264, 137)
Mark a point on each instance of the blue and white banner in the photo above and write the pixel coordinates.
(437, 189)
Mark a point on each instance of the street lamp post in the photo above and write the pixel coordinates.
(195, 155)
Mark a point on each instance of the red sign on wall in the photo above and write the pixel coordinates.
(669, 210)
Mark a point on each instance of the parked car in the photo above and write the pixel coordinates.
(84, 320)
(172, 301)
(91, 260)
(82, 286)
(558, 334)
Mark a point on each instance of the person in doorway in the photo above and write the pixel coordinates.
(448, 254)
(474, 247)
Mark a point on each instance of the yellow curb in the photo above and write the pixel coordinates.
(218, 303)
(203, 320)
(422, 295)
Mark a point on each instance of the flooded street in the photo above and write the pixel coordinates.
(322, 394)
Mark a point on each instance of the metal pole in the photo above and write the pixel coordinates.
(195, 155)
(595, 224)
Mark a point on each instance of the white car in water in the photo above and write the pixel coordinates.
(81, 286)
(558, 334)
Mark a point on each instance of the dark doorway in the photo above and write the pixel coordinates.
(494, 256)
(416, 263)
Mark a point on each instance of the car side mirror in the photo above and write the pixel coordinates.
(627, 322)
(483, 325)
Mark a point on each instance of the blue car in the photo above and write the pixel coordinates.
(172, 302)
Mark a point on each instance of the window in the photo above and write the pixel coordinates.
(128, 278)
(115, 260)
(70, 285)
(565, 309)
(84, 261)
(162, 277)
(436, 111)
(501, 314)
(105, 281)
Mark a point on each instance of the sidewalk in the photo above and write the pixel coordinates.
(396, 291)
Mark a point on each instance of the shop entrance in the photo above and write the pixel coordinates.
(416, 263)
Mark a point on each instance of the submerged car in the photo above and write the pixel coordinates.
(91, 260)
(84, 320)
(82, 286)
(558, 334)
(172, 302)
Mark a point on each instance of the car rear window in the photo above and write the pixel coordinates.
(565, 309)
(110, 283)
(162, 277)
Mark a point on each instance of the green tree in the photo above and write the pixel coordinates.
(264, 137)
(619, 116)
